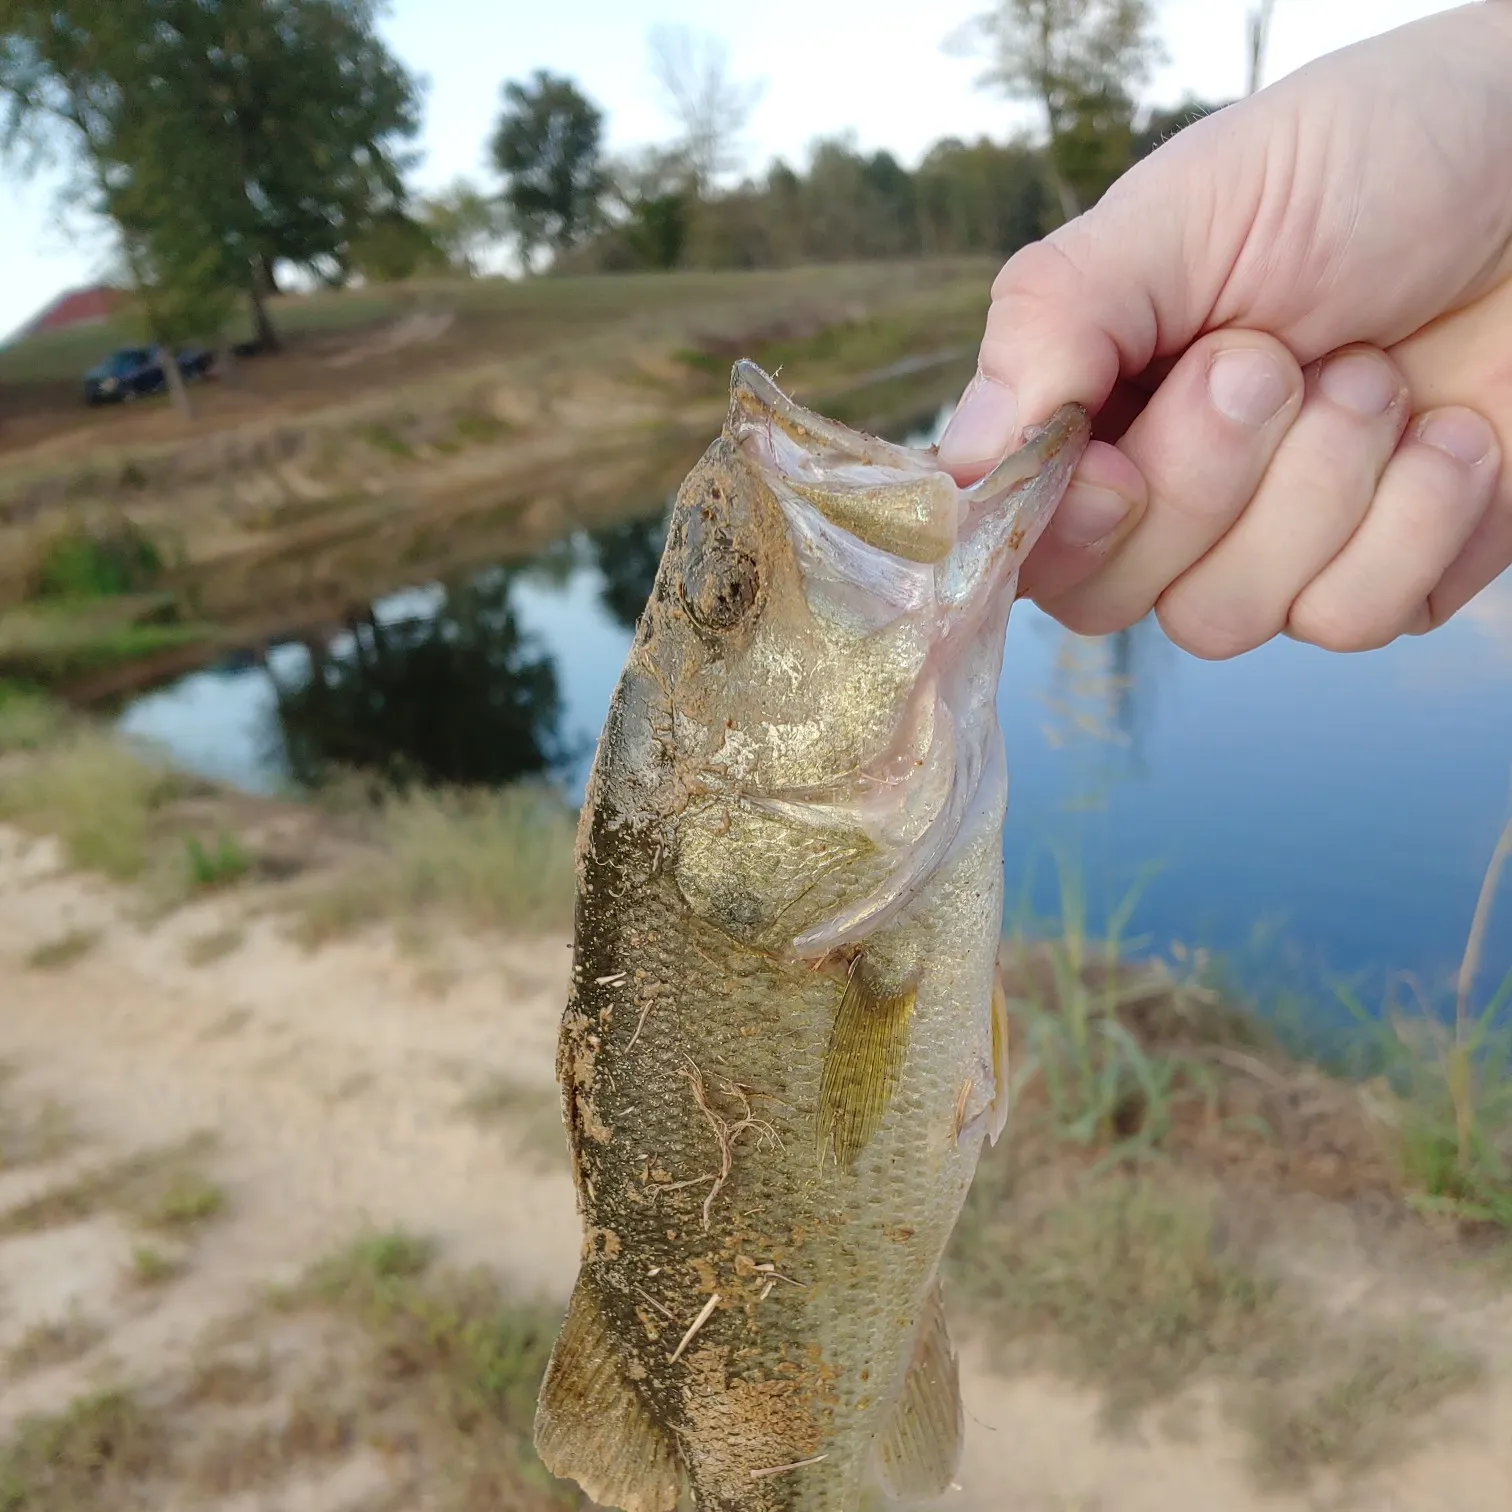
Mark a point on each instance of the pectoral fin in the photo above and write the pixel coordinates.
(591, 1426)
(862, 1064)
(920, 1448)
(998, 1114)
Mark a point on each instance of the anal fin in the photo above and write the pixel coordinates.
(919, 1450)
(862, 1063)
(593, 1428)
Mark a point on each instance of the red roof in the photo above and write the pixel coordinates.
(78, 307)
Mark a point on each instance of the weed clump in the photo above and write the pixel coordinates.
(82, 564)
(97, 795)
(494, 860)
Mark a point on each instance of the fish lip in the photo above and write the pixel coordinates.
(756, 403)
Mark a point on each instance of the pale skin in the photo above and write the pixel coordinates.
(1294, 325)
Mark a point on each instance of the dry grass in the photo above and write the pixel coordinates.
(1134, 1285)
(1355, 1403)
(100, 1455)
(160, 1188)
(316, 1424)
(457, 1360)
(34, 1135)
(376, 1351)
(214, 945)
(54, 1341)
(1125, 1283)
(96, 794)
(499, 861)
(62, 952)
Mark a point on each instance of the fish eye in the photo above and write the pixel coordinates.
(720, 578)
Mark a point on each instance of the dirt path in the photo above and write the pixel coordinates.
(357, 1087)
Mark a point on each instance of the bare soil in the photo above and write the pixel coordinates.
(198, 1110)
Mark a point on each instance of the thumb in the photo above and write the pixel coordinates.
(1134, 278)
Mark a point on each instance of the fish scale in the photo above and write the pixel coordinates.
(771, 1146)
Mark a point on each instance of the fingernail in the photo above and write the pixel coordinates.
(1462, 433)
(1088, 514)
(1357, 381)
(983, 425)
(1247, 385)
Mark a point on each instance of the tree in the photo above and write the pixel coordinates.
(710, 107)
(275, 126)
(394, 246)
(548, 146)
(980, 198)
(464, 223)
(653, 197)
(1257, 30)
(1162, 124)
(1081, 62)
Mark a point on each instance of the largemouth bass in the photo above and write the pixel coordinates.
(783, 1048)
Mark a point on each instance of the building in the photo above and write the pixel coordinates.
(78, 307)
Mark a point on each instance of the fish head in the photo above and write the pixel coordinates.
(828, 625)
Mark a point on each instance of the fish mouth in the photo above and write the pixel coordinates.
(889, 520)
(881, 531)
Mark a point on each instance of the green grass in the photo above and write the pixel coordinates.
(78, 564)
(1098, 1085)
(151, 1267)
(51, 641)
(385, 439)
(479, 429)
(1449, 1079)
(530, 309)
(498, 861)
(212, 866)
(29, 719)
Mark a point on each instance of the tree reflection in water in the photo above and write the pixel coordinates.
(458, 696)
(628, 555)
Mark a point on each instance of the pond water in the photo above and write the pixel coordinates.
(1304, 814)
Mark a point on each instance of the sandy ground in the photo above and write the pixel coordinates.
(335, 1085)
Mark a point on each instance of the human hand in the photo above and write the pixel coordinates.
(1295, 321)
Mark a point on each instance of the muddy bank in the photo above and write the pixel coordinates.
(265, 530)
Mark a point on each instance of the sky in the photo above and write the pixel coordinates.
(877, 68)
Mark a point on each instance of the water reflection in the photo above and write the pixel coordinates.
(1097, 708)
(627, 556)
(452, 692)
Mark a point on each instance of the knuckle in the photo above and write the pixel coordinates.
(1089, 614)
(1211, 633)
(1323, 621)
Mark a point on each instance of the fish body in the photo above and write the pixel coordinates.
(783, 1047)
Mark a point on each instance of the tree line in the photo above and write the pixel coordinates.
(225, 141)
